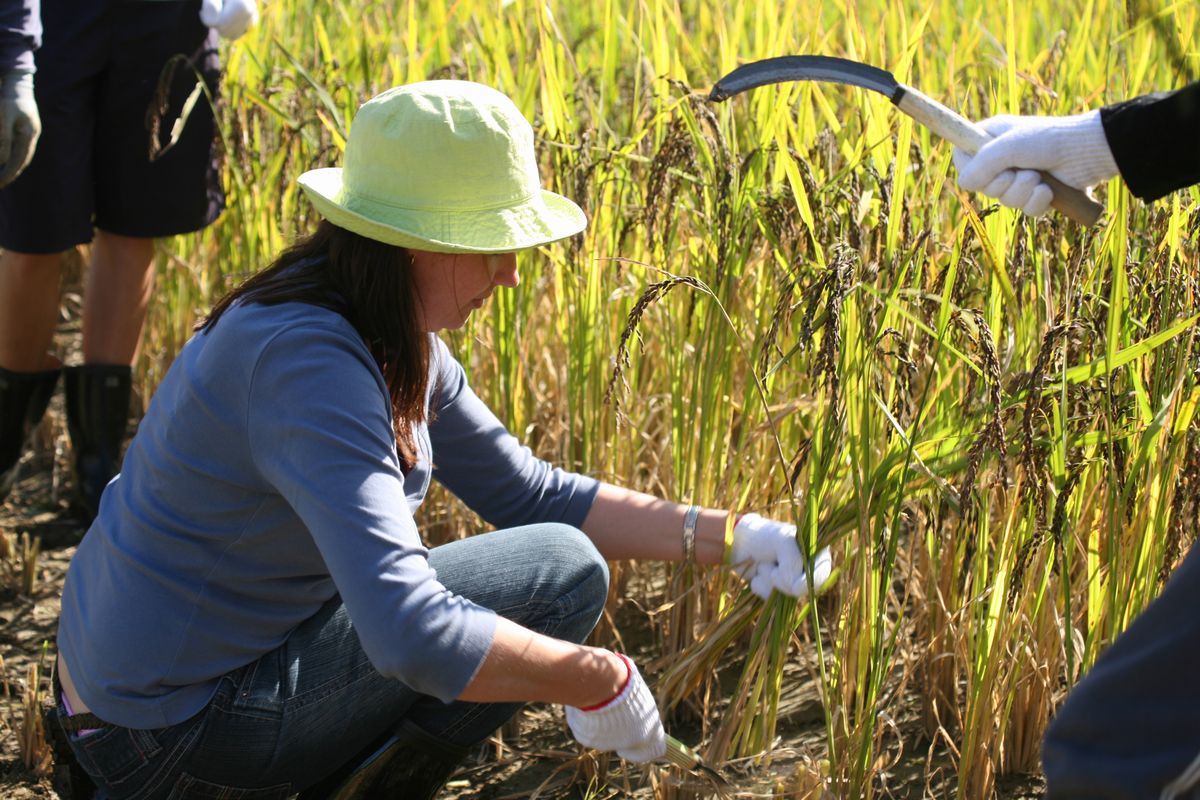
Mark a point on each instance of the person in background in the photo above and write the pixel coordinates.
(254, 613)
(77, 85)
(1130, 729)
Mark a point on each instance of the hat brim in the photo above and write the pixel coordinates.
(541, 219)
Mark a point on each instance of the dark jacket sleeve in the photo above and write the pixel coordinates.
(1155, 140)
(20, 33)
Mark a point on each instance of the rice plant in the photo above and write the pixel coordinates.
(19, 562)
(29, 728)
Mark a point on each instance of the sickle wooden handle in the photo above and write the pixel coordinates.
(955, 128)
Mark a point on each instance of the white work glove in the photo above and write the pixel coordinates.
(766, 553)
(1073, 149)
(20, 124)
(231, 18)
(628, 724)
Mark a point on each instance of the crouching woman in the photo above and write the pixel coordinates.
(253, 613)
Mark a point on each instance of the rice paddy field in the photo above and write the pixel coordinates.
(783, 303)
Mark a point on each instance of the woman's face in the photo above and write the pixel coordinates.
(452, 285)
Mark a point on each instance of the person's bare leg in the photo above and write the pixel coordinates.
(28, 310)
(116, 293)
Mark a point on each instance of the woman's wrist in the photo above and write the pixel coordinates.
(711, 535)
(607, 682)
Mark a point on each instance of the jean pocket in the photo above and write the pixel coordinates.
(115, 756)
(189, 787)
(258, 691)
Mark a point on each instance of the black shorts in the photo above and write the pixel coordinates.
(97, 87)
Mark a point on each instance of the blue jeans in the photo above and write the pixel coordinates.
(294, 716)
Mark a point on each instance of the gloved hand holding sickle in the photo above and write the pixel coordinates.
(948, 124)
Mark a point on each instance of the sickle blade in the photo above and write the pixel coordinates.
(804, 68)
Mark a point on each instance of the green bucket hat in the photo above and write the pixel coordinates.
(445, 166)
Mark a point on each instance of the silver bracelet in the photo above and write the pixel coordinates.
(689, 534)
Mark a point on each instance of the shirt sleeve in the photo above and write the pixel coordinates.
(1155, 140)
(476, 458)
(20, 33)
(320, 433)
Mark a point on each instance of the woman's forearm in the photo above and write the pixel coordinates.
(526, 666)
(624, 524)
(522, 665)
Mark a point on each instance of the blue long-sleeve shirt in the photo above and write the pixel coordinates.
(264, 480)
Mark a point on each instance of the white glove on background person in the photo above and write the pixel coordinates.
(20, 123)
(628, 724)
(231, 18)
(1073, 149)
(766, 554)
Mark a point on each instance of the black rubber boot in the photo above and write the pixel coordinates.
(97, 416)
(412, 764)
(23, 400)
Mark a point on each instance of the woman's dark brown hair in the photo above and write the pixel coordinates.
(370, 284)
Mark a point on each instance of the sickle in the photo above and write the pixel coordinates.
(688, 759)
(948, 124)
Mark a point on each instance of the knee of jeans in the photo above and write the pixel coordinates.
(584, 575)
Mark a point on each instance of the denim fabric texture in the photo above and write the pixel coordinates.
(292, 717)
